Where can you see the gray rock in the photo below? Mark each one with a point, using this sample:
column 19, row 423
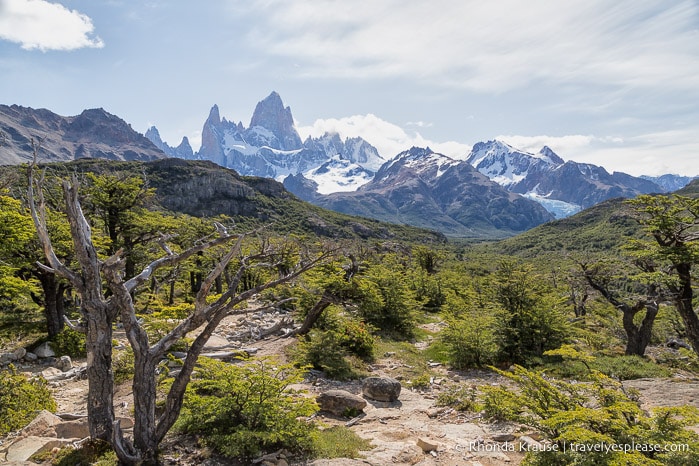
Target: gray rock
column 6, row 358
column 381, row 388
column 64, row 363
column 42, row 425
column 503, row 437
column 19, row 353
column 31, row 357
column 427, row 445
column 24, row 448
column 73, row 429
column 340, row 403
column 44, row 350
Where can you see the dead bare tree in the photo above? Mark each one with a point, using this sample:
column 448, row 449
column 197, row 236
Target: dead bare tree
column 100, row 311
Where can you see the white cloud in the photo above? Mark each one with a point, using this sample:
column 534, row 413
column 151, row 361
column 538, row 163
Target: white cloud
column 490, row 46
column 42, row 25
column 388, row 138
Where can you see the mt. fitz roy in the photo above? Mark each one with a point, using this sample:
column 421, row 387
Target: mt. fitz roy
column 271, row 147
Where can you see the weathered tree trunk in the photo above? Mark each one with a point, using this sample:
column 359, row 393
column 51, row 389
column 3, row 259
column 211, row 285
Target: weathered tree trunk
column 638, row 337
column 100, row 395
column 683, row 297
column 315, row 312
column 54, row 308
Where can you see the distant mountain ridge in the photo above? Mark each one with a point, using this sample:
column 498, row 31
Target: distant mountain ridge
column 562, row 187
column 94, row 133
column 417, row 187
column 422, row 188
column 271, row 147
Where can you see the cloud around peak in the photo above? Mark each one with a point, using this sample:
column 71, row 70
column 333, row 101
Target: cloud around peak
column 43, row 25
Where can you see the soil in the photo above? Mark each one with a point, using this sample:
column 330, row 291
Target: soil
column 394, row 429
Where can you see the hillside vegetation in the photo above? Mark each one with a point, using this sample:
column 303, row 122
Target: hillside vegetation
column 565, row 311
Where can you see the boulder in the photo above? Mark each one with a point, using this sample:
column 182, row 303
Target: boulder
column 427, row 445
column 44, row 350
column 42, row 425
column 6, row 358
column 78, row 428
column 341, row 403
column 25, row 447
column 381, row 388
column 20, row 353
column 64, row 363
column 30, row 357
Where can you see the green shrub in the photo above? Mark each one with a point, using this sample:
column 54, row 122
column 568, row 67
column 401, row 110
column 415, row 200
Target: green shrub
column 244, row 410
column 325, row 351
column 21, row 399
column 69, row 342
column 592, row 415
column 386, row 301
column 470, row 340
column 123, row 365
column 337, row 347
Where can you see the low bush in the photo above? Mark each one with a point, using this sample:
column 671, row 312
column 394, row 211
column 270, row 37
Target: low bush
column 244, row 410
column 577, row 421
column 21, row 399
column 338, row 347
column 69, row 342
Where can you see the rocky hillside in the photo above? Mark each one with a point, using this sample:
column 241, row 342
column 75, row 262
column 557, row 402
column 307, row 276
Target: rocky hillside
column 203, row 189
column 94, row 133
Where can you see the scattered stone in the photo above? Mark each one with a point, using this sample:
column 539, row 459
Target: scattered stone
column 42, row 425
column 505, row 437
column 44, row 350
column 64, row 363
column 24, row 448
column 20, row 353
column 427, row 445
column 529, row 444
column 381, row 388
column 6, row 358
column 341, row 403
column 30, row 357
column 73, row 429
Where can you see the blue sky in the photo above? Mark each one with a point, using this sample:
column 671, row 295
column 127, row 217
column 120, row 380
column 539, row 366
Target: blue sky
column 613, row 82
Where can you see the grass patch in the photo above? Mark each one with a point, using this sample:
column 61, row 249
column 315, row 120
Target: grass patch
column 338, row 442
column 92, row 452
column 617, row 367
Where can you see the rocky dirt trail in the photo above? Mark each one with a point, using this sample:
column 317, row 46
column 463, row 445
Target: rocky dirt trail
column 409, row 431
